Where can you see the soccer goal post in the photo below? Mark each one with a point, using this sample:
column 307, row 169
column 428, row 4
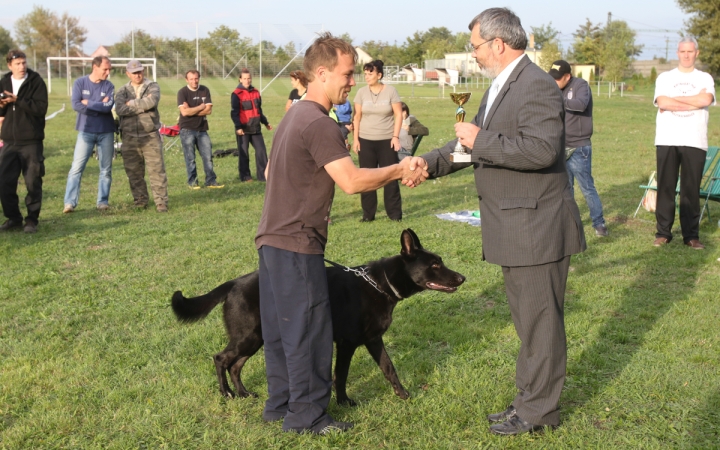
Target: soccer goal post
column 115, row 62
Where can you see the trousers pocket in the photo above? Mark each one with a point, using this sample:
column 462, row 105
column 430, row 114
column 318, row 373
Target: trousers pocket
column 518, row 202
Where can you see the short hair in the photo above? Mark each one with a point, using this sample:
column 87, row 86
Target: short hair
column 98, row 60
column 690, row 39
column 404, row 107
column 14, row 54
column 244, row 70
column 193, row 71
column 300, row 76
column 375, row 66
column 324, row 52
column 501, row 23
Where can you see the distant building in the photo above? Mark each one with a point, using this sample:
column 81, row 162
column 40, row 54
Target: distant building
column 363, row 57
column 100, row 51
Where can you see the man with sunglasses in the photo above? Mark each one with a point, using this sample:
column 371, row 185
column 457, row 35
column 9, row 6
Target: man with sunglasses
column 23, row 104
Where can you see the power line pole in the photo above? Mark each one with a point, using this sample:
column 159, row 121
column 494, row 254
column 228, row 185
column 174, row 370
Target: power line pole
column 667, row 42
column 609, row 18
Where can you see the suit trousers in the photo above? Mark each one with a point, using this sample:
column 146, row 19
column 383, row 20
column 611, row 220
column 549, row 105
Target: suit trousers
column 690, row 161
column 297, row 330
column 261, row 158
column 28, row 160
column 141, row 152
column 536, row 296
column 374, row 154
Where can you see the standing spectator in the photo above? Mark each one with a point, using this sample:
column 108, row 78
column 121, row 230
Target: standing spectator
column 299, row 82
column 411, row 128
column 682, row 96
column 93, row 97
column 136, row 104
column 195, row 105
column 530, row 221
column 308, row 158
column 246, row 113
column 578, row 102
column 24, row 104
column 344, row 119
column 378, row 118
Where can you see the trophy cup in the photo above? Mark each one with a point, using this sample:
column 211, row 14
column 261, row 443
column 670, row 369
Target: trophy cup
column 461, row 153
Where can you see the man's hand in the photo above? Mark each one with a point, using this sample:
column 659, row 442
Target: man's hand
column 414, row 171
column 9, row 98
column 84, row 102
column 268, row 126
column 349, row 127
column 466, row 133
column 106, row 99
column 239, row 132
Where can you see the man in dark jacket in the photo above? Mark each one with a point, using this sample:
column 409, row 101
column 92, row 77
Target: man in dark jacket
column 577, row 98
column 246, row 113
column 23, row 104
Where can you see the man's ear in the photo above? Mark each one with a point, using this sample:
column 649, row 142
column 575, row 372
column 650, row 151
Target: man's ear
column 321, row 73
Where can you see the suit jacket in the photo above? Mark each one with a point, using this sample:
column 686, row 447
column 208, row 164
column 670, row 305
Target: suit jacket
column 529, row 215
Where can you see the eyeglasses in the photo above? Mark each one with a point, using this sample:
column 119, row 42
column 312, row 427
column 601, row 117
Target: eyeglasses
column 473, row 48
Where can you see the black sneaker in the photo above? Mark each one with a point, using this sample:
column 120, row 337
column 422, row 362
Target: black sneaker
column 601, row 231
column 30, row 227
column 9, row 225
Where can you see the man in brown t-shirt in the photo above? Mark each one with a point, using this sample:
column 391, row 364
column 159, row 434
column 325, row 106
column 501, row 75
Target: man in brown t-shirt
column 308, row 157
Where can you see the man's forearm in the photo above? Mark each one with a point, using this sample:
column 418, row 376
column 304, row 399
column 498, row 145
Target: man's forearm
column 698, row 100
column 673, row 104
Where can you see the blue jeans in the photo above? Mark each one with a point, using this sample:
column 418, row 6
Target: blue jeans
column 580, row 166
column 83, row 150
column 200, row 139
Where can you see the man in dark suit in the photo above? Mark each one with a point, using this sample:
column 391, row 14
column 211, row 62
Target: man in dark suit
column 530, row 221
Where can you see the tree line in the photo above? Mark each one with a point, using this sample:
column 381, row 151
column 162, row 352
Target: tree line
column 611, row 47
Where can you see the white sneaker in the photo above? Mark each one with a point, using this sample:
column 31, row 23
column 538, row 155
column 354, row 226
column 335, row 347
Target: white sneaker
column 68, row 208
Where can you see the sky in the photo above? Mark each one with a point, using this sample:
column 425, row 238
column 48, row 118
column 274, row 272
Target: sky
column 281, row 21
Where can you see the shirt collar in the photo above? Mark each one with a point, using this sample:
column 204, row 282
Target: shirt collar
column 505, row 74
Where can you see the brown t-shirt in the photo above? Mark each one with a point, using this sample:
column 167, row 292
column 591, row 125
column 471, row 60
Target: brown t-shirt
column 299, row 192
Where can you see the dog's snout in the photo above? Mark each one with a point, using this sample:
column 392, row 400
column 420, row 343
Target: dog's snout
column 460, row 278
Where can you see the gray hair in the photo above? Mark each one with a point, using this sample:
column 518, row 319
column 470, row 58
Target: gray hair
column 501, row 23
column 690, row 39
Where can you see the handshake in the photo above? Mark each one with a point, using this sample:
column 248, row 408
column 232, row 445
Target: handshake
column 414, row 171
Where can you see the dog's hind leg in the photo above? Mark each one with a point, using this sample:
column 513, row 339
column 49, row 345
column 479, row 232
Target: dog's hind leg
column 377, row 351
column 235, row 377
column 223, row 360
column 345, row 352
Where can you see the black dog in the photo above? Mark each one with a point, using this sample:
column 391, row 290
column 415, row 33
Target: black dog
column 361, row 300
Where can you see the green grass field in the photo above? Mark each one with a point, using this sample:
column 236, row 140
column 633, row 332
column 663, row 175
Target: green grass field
column 91, row 355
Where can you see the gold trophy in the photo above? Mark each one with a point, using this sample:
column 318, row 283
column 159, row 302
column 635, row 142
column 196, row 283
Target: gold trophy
column 461, row 153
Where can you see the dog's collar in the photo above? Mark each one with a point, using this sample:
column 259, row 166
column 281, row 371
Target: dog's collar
column 363, row 272
column 397, row 294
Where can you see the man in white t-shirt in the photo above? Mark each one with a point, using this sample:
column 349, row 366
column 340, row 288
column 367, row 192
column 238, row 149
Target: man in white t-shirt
column 682, row 96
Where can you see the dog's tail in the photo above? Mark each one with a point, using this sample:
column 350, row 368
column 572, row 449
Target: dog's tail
column 196, row 308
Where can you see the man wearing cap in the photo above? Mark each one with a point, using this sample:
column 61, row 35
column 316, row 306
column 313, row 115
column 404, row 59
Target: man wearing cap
column 578, row 102
column 136, row 103
column 682, row 96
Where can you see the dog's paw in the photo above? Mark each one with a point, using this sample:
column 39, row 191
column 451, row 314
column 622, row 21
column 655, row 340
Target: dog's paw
column 402, row 393
column 347, row 401
column 228, row 394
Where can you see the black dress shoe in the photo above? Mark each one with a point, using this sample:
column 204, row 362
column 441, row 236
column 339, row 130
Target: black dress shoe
column 514, row 425
column 502, row 416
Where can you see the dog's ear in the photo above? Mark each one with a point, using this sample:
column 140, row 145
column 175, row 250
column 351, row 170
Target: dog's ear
column 409, row 242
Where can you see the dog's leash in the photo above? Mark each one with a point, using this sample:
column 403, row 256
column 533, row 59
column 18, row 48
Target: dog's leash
column 363, row 272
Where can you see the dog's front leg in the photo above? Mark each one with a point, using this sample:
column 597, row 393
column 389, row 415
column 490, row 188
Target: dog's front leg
column 345, row 352
column 377, row 351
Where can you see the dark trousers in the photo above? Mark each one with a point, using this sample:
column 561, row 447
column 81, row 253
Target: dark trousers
column 690, row 161
column 261, row 158
column 27, row 159
column 297, row 330
column 536, row 296
column 375, row 154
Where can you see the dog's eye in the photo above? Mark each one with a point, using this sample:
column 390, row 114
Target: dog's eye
column 435, row 266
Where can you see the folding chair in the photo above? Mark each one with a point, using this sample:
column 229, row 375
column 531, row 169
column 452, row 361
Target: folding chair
column 710, row 183
column 650, row 186
column 416, row 144
column 170, row 136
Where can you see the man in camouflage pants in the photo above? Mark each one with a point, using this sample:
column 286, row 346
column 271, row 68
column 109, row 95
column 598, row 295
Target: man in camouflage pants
column 136, row 104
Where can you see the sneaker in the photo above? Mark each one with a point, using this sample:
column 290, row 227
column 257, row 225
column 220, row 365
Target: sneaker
column 10, row 225
column 103, row 207
column 335, row 427
column 215, row 186
column 30, row 227
column 161, row 208
column 194, row 187
column 601, row 231
column 68, row 208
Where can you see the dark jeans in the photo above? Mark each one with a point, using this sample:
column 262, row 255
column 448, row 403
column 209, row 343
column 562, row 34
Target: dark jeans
column 297, row 330
column 261, row 159
column 375, row 154
column 690, row 161
column 27, row 159
column 200, row 139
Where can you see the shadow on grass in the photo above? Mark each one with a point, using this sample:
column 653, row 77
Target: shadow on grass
column 706, row 433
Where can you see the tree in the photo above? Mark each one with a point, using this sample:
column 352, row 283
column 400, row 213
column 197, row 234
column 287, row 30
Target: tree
column 551, row 52
column 6, row 41
column 544, row 34
column 704, row 24
column 43, row 31
column 587, row 44
column 346, row 37
column 618, row 50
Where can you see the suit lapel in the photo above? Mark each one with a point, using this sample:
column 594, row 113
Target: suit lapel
column 506, row 87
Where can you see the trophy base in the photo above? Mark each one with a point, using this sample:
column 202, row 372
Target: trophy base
column 457, row 157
